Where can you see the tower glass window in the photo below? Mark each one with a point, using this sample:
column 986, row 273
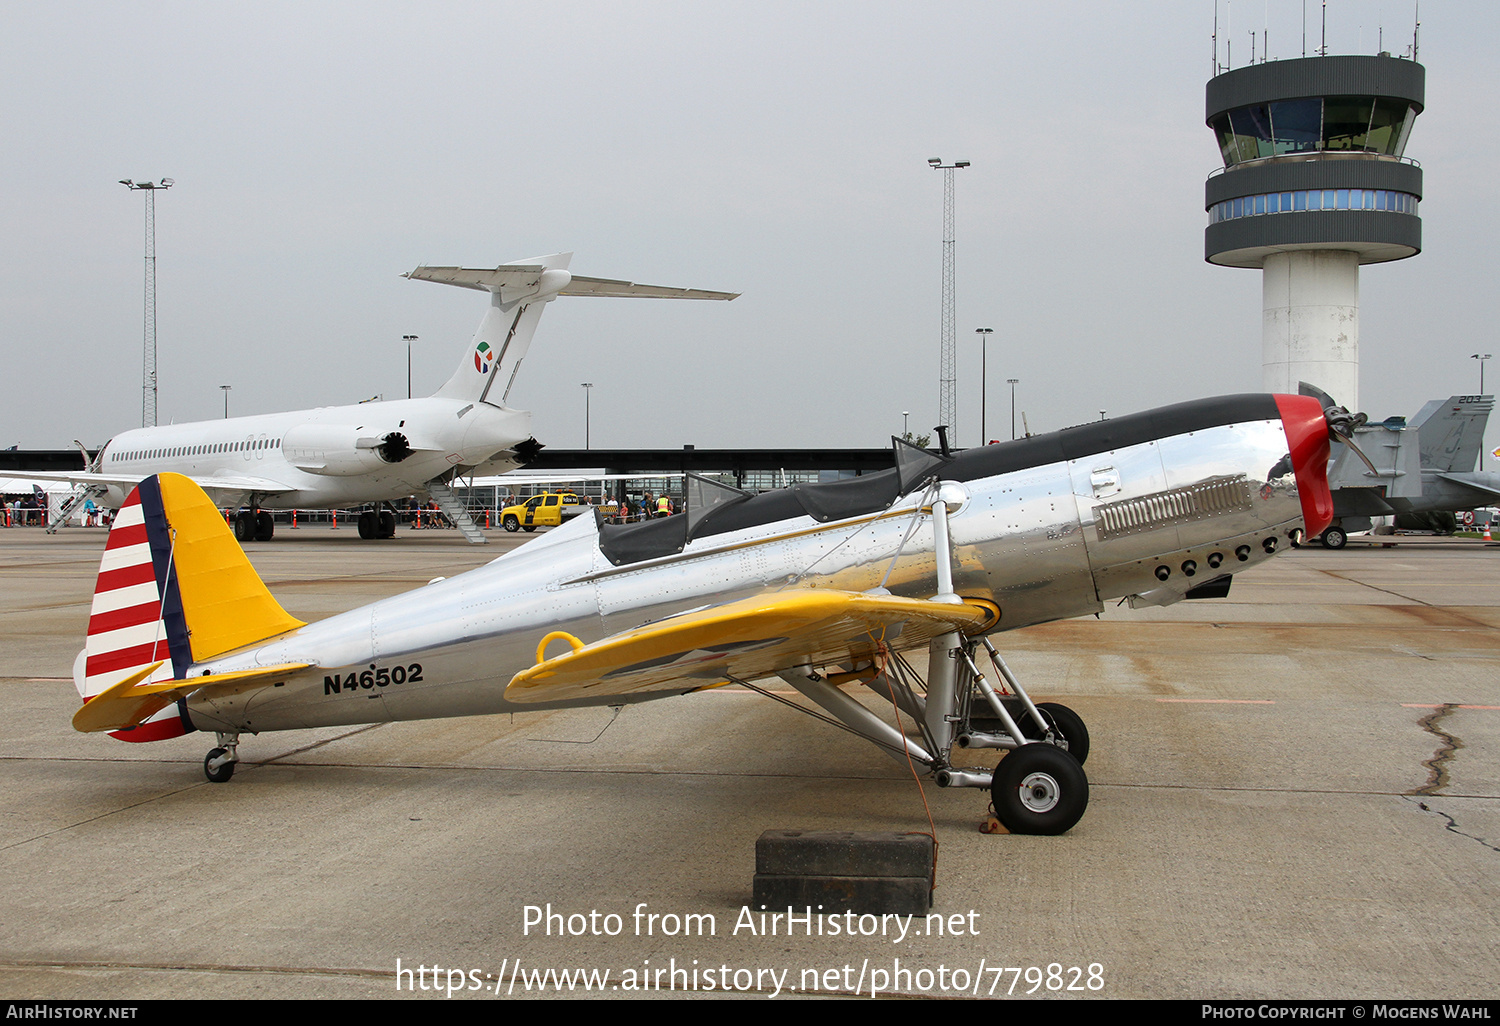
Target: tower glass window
column 1346, row 122
column 1363, row 124
column 1298, row 125
column 1388, row 126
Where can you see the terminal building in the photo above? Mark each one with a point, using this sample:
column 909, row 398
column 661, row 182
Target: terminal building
column 1315, row 182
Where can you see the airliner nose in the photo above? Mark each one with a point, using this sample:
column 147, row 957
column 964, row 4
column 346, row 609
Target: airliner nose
column 1306, row 430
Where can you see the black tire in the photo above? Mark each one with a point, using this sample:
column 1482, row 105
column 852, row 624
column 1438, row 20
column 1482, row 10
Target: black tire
column 367, row 525
column 1039, row 789
column 529, row 528
column 1064, row 721
column 223, row 773
column 265, row 526
column 244, row 527
column 387, row 524
column 511, row 524
column 1334, row 538
column 1067, row 723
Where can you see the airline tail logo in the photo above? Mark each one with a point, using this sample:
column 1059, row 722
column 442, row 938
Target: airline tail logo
column 484, row 357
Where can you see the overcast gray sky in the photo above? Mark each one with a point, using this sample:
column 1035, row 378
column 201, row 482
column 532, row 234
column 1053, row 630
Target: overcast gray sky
column 774, row 149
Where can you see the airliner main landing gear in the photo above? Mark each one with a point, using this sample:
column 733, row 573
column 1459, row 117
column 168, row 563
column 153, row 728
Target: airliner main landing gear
column 254, row 525
column 377, row 523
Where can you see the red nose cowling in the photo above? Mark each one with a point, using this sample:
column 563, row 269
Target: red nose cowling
column 1307, row 440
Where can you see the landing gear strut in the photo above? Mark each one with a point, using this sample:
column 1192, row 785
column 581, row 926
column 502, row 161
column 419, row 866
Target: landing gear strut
column 1039, row 786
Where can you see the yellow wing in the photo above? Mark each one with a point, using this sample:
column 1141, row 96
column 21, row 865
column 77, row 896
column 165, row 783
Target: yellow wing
column 748, row 639
column 131, row 703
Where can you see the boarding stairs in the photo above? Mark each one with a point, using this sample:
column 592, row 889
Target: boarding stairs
column 72, row 503
column 449, row 504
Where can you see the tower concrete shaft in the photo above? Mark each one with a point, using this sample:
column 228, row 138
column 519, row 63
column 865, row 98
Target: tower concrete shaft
column 1310, row 322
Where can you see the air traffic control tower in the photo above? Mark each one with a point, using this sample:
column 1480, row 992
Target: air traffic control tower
column 1315, row 182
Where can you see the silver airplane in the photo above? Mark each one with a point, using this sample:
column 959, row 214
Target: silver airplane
column 821, row 585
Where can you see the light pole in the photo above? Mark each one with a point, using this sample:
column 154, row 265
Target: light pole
column 1481, row 360
column 226, row 389
column 948, row 369
column 408, row 339
column 1013, row 382
column 148, row 374
column 588, row 390
column 984, row 382
column 905, row 431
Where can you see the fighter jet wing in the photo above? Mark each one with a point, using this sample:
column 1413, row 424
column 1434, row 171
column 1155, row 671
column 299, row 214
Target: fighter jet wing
column 1487, row 483
column 745, row 640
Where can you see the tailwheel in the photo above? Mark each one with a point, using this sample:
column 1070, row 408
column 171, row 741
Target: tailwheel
column 1039, row 789
column 218, row 765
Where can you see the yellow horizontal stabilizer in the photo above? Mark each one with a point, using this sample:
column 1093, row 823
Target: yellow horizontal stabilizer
column 130, row 703
column 747, row 639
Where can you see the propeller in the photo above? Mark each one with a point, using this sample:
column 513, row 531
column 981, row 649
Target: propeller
column 1341, row 423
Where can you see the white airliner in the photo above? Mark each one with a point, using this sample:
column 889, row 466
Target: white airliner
column 372, row 452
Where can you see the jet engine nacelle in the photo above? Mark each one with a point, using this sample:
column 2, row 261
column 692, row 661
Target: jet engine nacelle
column 339, row 450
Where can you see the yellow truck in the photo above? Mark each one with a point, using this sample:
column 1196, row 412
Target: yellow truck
column 547, row 510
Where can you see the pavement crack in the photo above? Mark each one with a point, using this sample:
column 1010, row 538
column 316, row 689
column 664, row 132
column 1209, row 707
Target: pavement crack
column 1437, row 766
column 1437, row 771
column 1450, row 824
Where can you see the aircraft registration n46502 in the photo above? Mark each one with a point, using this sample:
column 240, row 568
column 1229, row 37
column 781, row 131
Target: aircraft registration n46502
column 827, row 587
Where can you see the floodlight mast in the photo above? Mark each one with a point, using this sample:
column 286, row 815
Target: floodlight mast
column 148, row 372
column 948, row 345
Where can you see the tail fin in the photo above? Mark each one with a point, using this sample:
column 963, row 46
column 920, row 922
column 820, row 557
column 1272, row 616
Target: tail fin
column 518, row 293
column 174, row 589
column 1451, row 431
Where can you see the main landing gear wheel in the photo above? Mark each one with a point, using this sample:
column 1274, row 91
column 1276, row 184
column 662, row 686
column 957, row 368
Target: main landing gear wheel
column 512, row 524
column 369, row 524
column 244, row 526
column 265, row 526
column 1334, row 538
column 387, row 524
column 217, row 774
column 1039, row 789
column 1065, row 722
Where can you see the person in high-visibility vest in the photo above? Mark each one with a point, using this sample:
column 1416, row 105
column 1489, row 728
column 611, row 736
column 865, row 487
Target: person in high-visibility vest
column 663, row 506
